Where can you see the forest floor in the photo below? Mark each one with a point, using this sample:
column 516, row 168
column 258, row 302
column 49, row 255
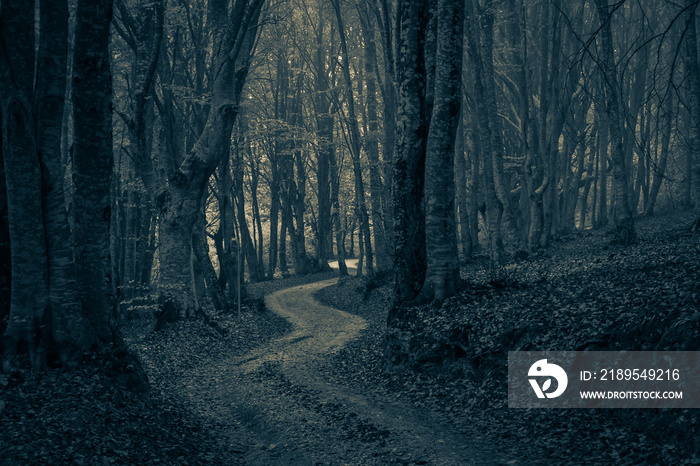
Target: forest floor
column 302, row 380
column 294, row 412
column 582, row 293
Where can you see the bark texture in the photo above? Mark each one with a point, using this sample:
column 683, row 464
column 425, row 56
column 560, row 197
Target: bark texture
column 372, row 144
column 28, row 258
column 92, row 161
column 68, row 324
column 624, row 219
column 412, row 123
column 442, row 274
column 45, row 312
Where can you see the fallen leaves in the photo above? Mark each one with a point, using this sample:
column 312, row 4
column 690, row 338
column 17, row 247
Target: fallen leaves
column 580, row 294
column 85, row 417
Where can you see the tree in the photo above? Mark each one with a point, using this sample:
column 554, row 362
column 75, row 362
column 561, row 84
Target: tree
column 354, row 137
column 242, row 150
column 412, row 124
column 492, row 206
column 442, row 274
column 385, row 19
column 179, row 201
column 466, row 184
column 429, row 79
column 624, row 219
column 5, row 267
column 141, row 27
column 659, row 170
column 56, row 301
column 92, row 161
column 689, row 53
column 29, row 267
column 143, row 32
column 67, row 324
column 323, row 108
column 372, row 140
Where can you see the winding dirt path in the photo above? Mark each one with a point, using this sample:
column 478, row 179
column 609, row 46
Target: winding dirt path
column 290, row 413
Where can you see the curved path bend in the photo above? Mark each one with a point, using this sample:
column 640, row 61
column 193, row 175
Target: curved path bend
column 290, row 413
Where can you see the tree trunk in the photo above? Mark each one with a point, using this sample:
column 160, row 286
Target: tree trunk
column 689, row 53
column 203, row 263
column 274, row 218
column 490, row 108
column 372, row 143
column 296, row 182
column 335, row 214
column 625, row 221
column 473, row 191
column 594, row 204
column 67, row 326
column 92, row 162
column 384, row 19
column 442, row 274
column 587, row 182
column 551, row 122
column 460, row 170
column 131, row 239
column 257, row 221
column 176, row 223
column 29, row 278
column 659, row 168
column 602, row 147
column 28, row 261
column 324, row 124
column 493, row 207
column 225, row 239
column 148, row 250
column 640, row 182
column 572, row 182
column 246, row 241
column 413, row 120
column 277, row 168
column 360, row 254
column 686, row 201
column 35, row 240
column 226, row 234
column 350, row 227
column 5, row 266
column 301, row 262
column 147, row 30
column 354, row 131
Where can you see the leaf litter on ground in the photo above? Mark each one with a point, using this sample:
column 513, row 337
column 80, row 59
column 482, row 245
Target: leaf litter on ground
column 580, row 294
column 87, row 415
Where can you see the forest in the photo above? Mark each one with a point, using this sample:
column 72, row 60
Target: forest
column 226, row 221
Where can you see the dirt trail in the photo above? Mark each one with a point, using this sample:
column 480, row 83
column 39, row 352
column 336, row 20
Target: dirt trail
column 291, row 414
